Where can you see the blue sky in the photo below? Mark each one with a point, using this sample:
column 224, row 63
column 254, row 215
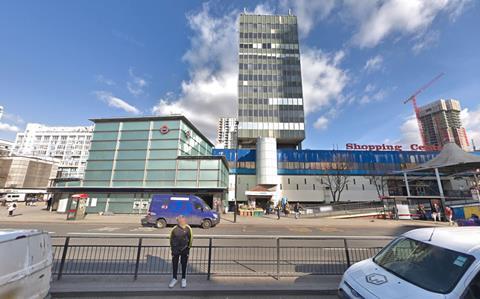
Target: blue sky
column 63, row 62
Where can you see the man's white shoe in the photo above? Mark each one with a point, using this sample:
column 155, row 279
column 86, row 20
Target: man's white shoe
column 184, row 283
column 172, row 283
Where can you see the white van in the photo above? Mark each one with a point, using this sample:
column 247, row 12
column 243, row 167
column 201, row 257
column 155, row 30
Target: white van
column 13, row 197
column 424, row 263
column 26, row 264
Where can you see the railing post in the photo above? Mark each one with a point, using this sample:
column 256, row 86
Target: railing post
column 209, row 266
column 347, row 253
column 278, row 258
column 64, row 256
column 137, row 263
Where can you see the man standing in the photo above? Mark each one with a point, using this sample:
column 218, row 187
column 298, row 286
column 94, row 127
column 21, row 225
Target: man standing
column 11, row 208
column 181, row 238
column 296, row 210
column 449, row 215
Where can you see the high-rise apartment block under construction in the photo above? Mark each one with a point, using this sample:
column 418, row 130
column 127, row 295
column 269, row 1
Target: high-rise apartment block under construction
column 441, row 123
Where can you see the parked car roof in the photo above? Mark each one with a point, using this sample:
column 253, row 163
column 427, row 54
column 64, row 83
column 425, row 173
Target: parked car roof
column 461, row 239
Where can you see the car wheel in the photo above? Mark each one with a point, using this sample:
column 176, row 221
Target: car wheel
column 161, row 223
column 206, row 224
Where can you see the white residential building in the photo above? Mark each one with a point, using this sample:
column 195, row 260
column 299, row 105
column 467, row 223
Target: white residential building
column 5, row 147
column 69, row 146
column 226, row 132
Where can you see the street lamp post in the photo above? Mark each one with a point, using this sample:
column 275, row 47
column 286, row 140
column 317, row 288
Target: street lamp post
column 235, row 209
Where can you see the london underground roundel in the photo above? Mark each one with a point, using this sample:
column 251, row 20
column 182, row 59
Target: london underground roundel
column 164, row 129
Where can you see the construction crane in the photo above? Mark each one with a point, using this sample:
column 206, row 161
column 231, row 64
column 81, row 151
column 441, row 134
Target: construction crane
column 413, row 99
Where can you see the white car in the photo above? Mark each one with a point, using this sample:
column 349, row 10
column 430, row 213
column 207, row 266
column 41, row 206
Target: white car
column 423, row 263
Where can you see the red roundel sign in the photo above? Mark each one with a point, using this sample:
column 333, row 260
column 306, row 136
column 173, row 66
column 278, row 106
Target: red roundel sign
column 164, row 129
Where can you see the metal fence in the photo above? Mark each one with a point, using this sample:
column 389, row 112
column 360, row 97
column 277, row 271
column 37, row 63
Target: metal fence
column 222, row 256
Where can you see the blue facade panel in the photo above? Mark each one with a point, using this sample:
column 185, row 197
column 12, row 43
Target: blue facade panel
column 318, row 162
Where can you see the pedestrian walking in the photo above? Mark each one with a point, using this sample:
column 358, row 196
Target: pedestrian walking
column 449, row 215
column 181, row 238
column 11, row 208
column 49, row 203
column 435, row 212
column 279, row 208
column 296, row 210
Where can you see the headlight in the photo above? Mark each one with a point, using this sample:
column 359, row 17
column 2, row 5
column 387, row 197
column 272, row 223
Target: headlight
column 352, row 290
column 215, row 216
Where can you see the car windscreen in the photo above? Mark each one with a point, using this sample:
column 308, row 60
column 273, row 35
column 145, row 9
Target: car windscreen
column 430, row 267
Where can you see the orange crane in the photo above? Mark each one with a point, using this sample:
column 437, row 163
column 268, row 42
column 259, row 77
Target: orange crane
column 413, row 99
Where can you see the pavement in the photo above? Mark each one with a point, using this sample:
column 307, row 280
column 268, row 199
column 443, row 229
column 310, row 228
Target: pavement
column 129, row 225
column 308, row 286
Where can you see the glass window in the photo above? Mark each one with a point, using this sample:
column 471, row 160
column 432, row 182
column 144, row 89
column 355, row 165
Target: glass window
column 161, row 164
column 163, row 154
column 130, row 165
column 97, row 175
column 209, row 164
column 473, row 289
column 209, row 175
column 105, row 136
column 100, row 165
column 187, row 175
column 136, row 125
column 106, row 126
column 101, row 155
column 187, row 164
column 164, row 144
column 153, row 175
column 128, row 175
column 103, row 145
column 430, row 267
column 133, row 144
column 134, row 135
column 131, row 155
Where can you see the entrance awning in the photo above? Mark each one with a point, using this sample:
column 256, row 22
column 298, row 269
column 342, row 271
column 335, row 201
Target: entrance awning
column 260, row 190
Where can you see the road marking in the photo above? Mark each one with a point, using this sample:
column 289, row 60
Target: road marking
column 105, row 229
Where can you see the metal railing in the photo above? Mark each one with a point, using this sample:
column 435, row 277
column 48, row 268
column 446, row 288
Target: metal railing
column 221, row 256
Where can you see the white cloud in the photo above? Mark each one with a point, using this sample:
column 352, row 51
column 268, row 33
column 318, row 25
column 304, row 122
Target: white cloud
column 471, row 122
column 321, row 123
column 373, row 64
column 137, row 84
column 103, row 80
column 211, row 90
column 323, row 79
column 372, row 94
column 116, row 102
column 410, row 134
column 379, row 19
column 425, row 41
column 309, row 12
column 4, row 127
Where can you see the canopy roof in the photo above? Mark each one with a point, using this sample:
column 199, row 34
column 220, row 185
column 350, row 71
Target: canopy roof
column 452, row 159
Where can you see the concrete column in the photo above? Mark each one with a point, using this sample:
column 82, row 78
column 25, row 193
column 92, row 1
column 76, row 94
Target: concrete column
column 266, row 161
column 440, row 188
column 405, row 178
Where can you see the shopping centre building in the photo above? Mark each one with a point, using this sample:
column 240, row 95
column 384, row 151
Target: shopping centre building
column 132, row 158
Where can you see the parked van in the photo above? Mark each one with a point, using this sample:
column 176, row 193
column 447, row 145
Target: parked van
column 26, row 264
column 13, row 197
column 424, row 263
column 164, row 208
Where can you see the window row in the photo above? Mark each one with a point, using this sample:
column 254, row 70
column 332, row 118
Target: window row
column 293, row 92
column 293, row 47
column 286, row 80
column 257, row 26
column 271, row 101
column 286, row 36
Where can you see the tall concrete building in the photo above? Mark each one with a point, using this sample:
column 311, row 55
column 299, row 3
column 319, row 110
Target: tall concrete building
column 270, row 98
column 441, row 123
column 68, row 146
column 1, row 112
column 226, row 132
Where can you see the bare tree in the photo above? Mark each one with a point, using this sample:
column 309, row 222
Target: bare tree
column 380, row 183
column 336, row 180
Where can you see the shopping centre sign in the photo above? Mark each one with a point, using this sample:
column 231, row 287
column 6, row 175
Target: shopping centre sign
column 391, row 147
